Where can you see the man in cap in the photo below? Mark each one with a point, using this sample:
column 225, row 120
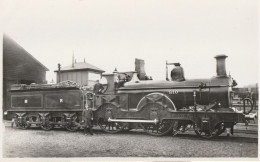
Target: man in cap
column 98, row 88
column 87, row 117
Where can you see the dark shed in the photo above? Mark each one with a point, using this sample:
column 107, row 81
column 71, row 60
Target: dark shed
column 19, row 67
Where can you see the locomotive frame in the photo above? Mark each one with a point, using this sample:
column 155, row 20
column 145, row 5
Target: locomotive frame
column 158, row 107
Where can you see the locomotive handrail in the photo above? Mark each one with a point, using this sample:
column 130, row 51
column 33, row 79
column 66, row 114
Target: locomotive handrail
column 176, row 87
column 244, row 105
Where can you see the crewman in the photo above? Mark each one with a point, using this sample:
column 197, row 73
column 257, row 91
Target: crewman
column 254, row 99
column 98, row 88
column 87, row 118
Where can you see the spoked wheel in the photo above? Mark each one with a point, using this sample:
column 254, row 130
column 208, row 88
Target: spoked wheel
column 74, row 126
column 215, row 132
column 110, row 127
column 157, row 106
column 24, row 123
column 159, row 129
column 47, row 126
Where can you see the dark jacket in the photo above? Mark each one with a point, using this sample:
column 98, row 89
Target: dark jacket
column 98, row 88
column 87, row 116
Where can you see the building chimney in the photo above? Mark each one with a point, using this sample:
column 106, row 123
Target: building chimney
column 221, row 65
column 58, row 78
column 73, row 60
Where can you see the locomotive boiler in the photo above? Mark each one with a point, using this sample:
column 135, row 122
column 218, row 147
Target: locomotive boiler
column 158, row 107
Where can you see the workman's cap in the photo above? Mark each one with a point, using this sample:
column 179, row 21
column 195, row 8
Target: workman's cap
column 177, row 64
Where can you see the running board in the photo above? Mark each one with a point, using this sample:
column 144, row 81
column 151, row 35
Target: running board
column 155, row 121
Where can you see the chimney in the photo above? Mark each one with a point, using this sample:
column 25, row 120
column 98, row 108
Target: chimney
column 221, row 65
column 139, row 68
column 73, row 60
column 58, row 78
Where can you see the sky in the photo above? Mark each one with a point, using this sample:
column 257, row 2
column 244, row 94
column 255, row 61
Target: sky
column 113, row 33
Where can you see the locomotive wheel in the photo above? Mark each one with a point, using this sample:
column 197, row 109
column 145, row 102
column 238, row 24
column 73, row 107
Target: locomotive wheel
column 212, row 133
column 47, row 127
column 110, row 127
column 74, row 125
column 127, row 127
column 105, row 112
column 159, row 129
column 23, row 124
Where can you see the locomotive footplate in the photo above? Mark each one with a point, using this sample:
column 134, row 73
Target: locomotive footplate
column 206, row 120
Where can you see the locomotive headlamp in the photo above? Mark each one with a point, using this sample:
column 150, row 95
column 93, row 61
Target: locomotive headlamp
column 5, row 113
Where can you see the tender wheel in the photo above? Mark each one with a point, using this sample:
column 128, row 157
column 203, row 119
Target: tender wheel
column 47, row 126
column 159, row 129
column 215, row 132
column 24, row 123
column 74, row 125
column 110, row 127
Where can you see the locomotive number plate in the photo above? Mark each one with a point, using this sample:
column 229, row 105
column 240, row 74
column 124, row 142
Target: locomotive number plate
column 173, row 92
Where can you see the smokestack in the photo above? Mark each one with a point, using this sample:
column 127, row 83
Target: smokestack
column 139, row 68
column 221, row 65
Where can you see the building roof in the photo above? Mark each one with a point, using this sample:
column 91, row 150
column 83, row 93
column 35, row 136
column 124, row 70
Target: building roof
column 80, row 66
column 11, row 44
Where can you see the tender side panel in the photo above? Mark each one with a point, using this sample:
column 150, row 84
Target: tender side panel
column 27, row 101
column 46, row 100
column 68, row 100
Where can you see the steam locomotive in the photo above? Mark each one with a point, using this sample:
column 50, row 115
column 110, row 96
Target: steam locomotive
column 158, row 107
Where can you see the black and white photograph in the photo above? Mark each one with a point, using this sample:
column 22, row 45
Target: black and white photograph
column 136, row 80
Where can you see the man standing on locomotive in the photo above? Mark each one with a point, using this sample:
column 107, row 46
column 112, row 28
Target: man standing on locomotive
column 87, row 118
column 98, row 88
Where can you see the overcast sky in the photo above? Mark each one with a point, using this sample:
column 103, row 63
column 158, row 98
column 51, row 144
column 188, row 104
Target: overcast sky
column 112, row 33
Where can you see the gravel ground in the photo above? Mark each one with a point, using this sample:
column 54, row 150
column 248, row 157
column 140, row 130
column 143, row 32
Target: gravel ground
column 35, row 142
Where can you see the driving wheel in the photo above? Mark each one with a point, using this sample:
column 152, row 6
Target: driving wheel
column 158, row 129
column 110, row 127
